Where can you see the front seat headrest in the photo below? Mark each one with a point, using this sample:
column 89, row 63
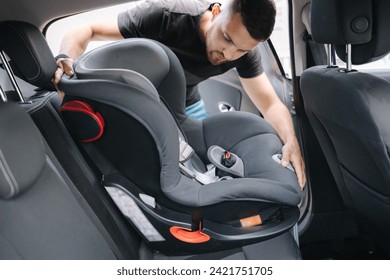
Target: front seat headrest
column 27, row 48
column 341, row 22
column 379, row 45
column 361, row 23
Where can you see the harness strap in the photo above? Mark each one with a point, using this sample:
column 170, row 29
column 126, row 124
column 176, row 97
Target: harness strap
column 188, row 169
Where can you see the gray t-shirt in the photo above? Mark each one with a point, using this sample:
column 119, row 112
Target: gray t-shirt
column 175, row 23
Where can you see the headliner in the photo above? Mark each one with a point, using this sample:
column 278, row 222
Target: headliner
column 41, row 12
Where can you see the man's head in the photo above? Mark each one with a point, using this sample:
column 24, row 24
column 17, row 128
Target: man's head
column 238, row 27
column 258, row 17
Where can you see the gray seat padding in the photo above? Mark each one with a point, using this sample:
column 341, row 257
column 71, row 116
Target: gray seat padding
column 349, row 110
column 248, row 134
column 42, row 216
column 150, row 119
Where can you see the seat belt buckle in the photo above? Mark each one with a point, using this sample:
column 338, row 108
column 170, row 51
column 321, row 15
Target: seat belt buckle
column 226, row 161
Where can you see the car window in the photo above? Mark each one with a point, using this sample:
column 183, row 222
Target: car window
column 58, row 28
column 280, row 36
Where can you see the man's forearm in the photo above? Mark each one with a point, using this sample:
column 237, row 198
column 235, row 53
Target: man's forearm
column 280, row 119
column 75, row 42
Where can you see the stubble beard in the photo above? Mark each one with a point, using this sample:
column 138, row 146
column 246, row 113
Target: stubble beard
column 214, row 57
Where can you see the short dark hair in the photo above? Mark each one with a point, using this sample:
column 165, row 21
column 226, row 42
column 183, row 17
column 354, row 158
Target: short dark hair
column 258, row 17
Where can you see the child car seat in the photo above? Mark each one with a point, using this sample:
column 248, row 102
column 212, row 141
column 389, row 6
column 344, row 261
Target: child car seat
column 160, row 167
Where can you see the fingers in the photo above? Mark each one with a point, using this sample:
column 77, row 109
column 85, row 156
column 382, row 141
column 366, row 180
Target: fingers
column 299, row 167
column 286, row 156
column 64, row 66
column 57, row 75
column 61, row 94
column 292, row 153
column 68, row 66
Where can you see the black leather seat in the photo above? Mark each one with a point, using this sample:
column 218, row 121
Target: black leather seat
column 349, row 109
column 42, row 215
column 134, row 141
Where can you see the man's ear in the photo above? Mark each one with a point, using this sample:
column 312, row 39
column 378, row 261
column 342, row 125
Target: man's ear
column 216, row 9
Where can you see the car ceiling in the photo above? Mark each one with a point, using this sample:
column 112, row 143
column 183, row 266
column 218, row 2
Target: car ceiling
column 41, row 12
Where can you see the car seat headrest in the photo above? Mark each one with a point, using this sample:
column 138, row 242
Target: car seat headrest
column 129, row 56
column 379, row 45
column 28, row 50
column 22, row 154
column 361, row 23
column 341, row 22
column 143, row 63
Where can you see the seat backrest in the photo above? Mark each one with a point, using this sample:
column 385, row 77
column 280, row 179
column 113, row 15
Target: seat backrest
column 132, row 59
column 129, row 61
column 42, row 215
column 349, row 110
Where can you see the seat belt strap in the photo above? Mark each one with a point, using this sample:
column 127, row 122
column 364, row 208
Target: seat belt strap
column 204, row 178
column 186, row 150
column 188, row 169
column 317, row 50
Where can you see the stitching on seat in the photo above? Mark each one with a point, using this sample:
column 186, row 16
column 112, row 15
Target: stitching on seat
column 25, row 40
column 13, row 185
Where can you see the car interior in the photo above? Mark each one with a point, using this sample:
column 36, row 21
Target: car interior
column 111, row 171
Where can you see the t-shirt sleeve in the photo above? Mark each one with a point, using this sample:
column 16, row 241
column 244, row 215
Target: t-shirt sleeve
column 144, row 20
column 250, row 65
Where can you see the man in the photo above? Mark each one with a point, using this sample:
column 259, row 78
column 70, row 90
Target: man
column 208, row 39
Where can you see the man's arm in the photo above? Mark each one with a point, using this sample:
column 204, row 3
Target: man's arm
column 75, row 42
column 263, row 95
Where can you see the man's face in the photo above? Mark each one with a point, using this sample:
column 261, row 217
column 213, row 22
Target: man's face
column 227, row 38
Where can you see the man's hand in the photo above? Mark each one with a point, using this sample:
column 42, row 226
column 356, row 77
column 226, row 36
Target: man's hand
column 76, row 40
column 292, row 153
column 263, row 95
column 64, row 66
